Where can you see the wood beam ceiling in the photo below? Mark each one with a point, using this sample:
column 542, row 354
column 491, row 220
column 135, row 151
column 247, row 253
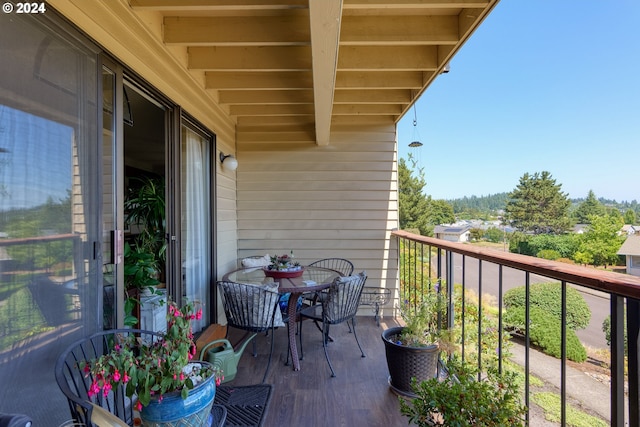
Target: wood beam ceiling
column 315, row 64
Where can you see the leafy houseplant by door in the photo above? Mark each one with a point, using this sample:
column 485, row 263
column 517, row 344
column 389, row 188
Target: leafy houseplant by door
column 154, row 373
column 413, row 350
column 145, row 257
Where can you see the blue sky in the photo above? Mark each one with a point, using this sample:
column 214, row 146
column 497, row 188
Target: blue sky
column 542, row 85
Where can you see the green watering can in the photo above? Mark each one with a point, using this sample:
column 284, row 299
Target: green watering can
column 223, row 356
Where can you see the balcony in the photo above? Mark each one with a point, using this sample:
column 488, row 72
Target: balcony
column 360, row 395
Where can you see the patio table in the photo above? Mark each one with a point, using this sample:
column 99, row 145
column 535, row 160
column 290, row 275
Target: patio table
column 312, row 279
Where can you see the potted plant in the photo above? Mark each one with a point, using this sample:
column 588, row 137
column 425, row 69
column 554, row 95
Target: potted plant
column 145, row 209
column 460, row 398
column 413, row 350
column 140, row 274
column 160, row 375
column 283, row 266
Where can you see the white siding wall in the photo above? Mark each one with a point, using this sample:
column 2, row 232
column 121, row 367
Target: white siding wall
column 338, row 200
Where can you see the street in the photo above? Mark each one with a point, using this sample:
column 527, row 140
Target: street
column 592, row 336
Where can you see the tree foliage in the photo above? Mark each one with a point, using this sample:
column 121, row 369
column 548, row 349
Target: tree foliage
column 591, row 206
column 537, row 205
column 600, row 243
column 630, row 217
column 417, row 210
column 413, row 203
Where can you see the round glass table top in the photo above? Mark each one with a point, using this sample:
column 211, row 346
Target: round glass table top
column 313, row 278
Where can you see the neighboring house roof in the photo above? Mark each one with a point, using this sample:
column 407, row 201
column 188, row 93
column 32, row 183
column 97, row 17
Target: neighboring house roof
column 445, row 229
column 631, row 246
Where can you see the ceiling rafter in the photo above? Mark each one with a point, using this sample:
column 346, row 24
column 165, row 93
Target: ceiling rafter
column 308, row 66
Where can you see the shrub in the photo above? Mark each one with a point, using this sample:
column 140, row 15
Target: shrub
column 549, row 254
column 461, row 399
column 548, row 296
column 545, row 332
column 606, row 328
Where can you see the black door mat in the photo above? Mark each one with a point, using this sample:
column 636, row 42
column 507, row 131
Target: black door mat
column 246, row 405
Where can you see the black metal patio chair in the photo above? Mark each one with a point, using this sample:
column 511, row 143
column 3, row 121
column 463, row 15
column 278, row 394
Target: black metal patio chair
column 74, row 383
column 340, row 305
column 252, row 308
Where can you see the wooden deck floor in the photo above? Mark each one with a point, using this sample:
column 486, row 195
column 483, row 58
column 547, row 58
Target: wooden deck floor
column 359, row 395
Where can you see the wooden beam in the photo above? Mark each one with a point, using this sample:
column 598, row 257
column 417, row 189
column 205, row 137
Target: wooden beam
column 412, row 4
column 396, row 58
column 271, row 110
column 324, row 17
column 355, row 110
column 217, row 5
column 399, row 30
column 249, row 58
column 384, row 96
column 271, row 97
column 281, row 30
column 382, row 79
column 258, row 80
column 263, row 121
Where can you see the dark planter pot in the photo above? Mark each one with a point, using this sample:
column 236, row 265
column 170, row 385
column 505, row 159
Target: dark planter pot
column 405, row 363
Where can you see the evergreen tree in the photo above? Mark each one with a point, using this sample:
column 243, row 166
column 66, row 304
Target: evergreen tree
column 591, row 206
column 537, row 205
column 413, row 203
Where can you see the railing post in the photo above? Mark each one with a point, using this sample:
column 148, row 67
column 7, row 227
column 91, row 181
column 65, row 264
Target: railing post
column 449, row 278
column 617, row 361
column 633, row 328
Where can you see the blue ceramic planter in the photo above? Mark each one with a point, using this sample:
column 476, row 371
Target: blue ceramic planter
column 173, row 411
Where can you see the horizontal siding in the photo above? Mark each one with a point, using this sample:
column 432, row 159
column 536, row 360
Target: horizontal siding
column 338, row 200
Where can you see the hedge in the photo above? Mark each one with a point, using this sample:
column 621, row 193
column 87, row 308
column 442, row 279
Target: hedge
column 548, row 297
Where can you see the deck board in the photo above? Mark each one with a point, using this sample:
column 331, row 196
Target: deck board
column 358, row 395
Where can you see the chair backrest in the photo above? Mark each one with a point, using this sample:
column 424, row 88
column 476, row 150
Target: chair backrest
column 250, row 307
column 343, row 298
column 341, row 265
column 75, row 386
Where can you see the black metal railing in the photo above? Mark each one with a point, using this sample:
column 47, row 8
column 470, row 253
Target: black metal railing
column 424, row 260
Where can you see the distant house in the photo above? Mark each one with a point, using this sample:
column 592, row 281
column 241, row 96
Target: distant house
column 630, row 230
column 580, row 228
column 452, row 233
column 631, row 250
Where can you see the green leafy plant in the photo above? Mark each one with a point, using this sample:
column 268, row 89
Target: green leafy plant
column 145, row 208
column 425, row 321
column 284, row 263
column 149, row 369
column 463, row 399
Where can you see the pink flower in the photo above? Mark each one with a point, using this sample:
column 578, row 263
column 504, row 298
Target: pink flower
column 106, row 388
column 116, row 376
column 181, row 376
column 199, row 314
column 138, row 406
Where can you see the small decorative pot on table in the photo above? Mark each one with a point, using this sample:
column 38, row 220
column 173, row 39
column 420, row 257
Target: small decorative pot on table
column 283, row 274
